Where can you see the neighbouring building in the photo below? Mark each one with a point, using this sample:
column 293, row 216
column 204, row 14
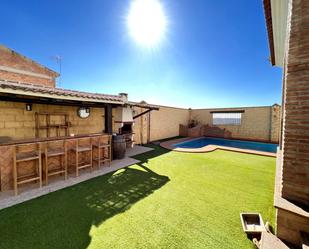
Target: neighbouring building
column 288, row 34
column 18, row 68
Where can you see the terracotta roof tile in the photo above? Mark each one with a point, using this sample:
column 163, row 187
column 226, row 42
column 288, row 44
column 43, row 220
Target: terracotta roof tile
column 58, row 91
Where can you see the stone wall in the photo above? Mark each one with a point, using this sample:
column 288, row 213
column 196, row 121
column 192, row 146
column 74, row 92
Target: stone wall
column 257, row 123
column 296, row 107
column 140, row 127
column 17, row 123
column 275, row 122
column 163, row 123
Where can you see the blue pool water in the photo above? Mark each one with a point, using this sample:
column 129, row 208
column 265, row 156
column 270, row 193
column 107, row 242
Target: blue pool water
column 201, row 142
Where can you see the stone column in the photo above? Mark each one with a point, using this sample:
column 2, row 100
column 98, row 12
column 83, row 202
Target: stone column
column 275, row 123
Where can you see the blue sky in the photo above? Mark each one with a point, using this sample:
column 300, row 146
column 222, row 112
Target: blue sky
column 215, row 53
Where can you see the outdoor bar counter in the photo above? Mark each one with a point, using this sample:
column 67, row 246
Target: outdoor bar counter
column 7, row 154
column 47, row 139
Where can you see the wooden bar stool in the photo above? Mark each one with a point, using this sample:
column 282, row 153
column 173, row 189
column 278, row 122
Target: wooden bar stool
column 103, row 149
column 83, row 154
column 26, row 153
column 56, row 150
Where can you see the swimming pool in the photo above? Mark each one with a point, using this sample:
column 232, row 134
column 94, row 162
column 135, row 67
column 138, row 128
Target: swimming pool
column 241, row 144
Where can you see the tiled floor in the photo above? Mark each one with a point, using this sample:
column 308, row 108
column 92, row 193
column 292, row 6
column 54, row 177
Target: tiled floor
column 8, row 199
column 136, row 150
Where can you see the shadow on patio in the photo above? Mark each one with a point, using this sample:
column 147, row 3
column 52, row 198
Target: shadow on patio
column 64, row 218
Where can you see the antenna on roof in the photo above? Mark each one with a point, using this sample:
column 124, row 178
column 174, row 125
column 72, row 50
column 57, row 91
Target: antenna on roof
column 58, row 60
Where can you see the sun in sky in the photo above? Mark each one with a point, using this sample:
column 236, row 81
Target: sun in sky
column 147, row 22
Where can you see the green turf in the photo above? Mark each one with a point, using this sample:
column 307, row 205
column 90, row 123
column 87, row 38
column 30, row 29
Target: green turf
column 170, row 200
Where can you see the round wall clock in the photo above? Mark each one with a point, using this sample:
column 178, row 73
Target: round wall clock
column 83, row 112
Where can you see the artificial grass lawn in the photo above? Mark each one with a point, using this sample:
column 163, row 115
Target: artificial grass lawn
column 170, row 200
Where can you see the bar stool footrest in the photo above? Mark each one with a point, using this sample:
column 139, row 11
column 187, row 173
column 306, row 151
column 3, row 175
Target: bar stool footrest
column 26, row 179
column 56, row 172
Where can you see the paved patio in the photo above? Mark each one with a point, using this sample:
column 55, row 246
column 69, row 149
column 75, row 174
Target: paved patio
column 8, row 199
column 136, row 150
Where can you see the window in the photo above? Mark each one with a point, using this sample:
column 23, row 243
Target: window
column 226, row 118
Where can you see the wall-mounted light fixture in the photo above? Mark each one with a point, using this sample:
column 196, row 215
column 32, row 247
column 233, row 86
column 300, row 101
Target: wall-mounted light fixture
column 83, row 112
column 29, row 107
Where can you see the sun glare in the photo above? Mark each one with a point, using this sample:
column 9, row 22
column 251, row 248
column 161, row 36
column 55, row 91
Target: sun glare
column 146, row 22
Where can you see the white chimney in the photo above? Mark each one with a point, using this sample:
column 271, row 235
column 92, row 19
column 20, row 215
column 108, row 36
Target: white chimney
column 124, row 97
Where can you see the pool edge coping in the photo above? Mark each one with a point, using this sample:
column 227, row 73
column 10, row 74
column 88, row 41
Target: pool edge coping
column 209, row 148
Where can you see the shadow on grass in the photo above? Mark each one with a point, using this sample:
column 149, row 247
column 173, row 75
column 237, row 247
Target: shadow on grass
column 64, row 218
column 145, row 157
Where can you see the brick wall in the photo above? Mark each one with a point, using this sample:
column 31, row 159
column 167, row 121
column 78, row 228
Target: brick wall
column 296, row 107
column 4, row 75
column 215, row 131
column 196, row 131
column 11, row 59
column 289, row 225
column 18, row 123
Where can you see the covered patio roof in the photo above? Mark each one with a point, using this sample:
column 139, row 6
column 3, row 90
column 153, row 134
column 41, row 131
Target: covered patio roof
column 144, row 105
column 17, row 91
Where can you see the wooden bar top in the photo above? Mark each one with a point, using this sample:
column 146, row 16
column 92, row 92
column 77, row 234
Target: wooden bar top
column 47, row 139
